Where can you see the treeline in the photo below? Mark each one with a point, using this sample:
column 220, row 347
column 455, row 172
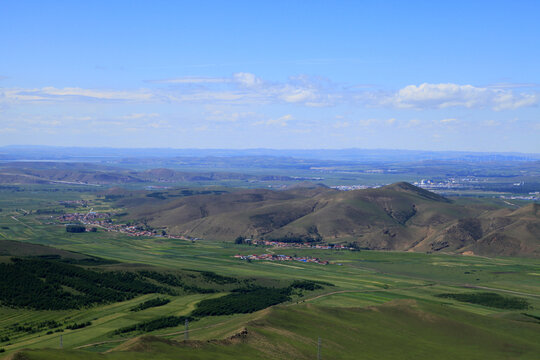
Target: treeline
column 490, row 299
column 156, row 324
column 76, row 326
column 49, row 211
column 215, row 278
column 37, row 284
column 32, row 328
column 151, row 303
column 241, row 302
column 305, row 285
column 177, row 280
column 75, row 228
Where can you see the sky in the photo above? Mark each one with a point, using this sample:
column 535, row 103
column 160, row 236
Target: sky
column 419, row 75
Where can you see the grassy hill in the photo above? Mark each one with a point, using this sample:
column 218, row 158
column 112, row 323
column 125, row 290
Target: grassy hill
column 395, row 217
column 84, row 173
column 402, row 329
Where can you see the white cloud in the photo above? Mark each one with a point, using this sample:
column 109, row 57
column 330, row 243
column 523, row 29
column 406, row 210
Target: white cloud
column 159, row 124
column 246, row 88
column 201, row 128
column 137, row 116
column 74, row 93
column 294, row 95
column 191, row 80
column 491, row 123
column 341, row 124
column 449, row 121
column 247, row 79
column 413, row 123
column 367, row 122
column 440, row 96
column 281, row 121
column 225, row 116
column 512, row 85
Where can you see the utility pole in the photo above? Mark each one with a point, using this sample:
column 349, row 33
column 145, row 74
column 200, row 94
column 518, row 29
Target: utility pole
column 186, row 332
column 319, row 349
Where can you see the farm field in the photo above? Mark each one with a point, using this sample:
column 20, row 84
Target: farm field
column 381, row 304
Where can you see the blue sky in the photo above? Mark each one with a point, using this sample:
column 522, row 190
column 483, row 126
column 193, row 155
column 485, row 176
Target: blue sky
column 460, row 75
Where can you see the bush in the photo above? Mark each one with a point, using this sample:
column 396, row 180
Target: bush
column 151, row 303
column 490, row 299
column 305, row 285
column 75, row 228
column 75, row 326
column 156, row 324
column 239, row 240
column 38, row 284
column 242, row 301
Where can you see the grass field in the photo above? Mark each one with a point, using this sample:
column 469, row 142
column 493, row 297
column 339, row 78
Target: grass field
column 383, row 304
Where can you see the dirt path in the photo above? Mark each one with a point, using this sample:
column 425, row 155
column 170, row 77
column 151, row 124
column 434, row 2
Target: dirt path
column 28, row 226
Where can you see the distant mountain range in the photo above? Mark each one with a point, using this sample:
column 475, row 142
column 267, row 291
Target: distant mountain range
column 395, row 217
column 364, row 155
column 92, row 174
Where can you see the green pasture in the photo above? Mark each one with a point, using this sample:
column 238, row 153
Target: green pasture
column 353, row 317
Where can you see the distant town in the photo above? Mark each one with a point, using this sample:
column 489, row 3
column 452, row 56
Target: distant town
column 104, row 221
column 274, row 257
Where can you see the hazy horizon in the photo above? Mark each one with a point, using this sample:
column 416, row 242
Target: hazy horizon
column 240, row 149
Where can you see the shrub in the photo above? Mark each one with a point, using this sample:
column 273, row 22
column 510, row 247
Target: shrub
column 489, row 299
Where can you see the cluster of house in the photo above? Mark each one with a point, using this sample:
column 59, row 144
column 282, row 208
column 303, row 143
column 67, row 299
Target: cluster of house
column 280, row 244
column 72, row 203
column 533, row 196
column 103, row 220
column 274, row 257
column 89, row 217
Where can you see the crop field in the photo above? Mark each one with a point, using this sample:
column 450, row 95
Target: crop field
column 381, row 304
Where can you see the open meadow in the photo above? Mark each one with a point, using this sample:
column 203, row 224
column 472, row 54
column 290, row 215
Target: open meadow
column 373, row 303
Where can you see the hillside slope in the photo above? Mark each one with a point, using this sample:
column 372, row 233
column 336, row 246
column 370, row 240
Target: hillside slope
column 397, row 330
column 395, row 217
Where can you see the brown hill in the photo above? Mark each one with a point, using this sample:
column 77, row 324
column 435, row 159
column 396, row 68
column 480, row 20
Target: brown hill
column 395, row 217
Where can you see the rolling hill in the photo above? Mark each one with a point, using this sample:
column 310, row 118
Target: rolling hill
column 92, row 174
column 395, row 330
column 395, row 217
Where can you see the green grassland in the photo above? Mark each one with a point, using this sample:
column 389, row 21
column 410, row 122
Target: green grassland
column 384, row 305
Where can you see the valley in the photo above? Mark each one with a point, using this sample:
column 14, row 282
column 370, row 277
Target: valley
column 379, row 296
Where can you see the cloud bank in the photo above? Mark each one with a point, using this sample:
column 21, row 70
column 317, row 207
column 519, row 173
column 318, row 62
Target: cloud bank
column 247, row 88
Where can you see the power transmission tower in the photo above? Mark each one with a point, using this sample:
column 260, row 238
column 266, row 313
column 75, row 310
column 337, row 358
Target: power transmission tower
column 319, row 349
column 186, row 332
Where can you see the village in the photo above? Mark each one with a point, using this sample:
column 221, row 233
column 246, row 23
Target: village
column 274, row 257
column 104, row 221
column 300, row 245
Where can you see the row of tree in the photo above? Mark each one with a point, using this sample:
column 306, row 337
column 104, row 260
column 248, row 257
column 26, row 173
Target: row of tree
column 39, row 284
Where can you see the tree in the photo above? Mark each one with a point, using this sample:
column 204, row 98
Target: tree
column 75, row 228
column 239, row 240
